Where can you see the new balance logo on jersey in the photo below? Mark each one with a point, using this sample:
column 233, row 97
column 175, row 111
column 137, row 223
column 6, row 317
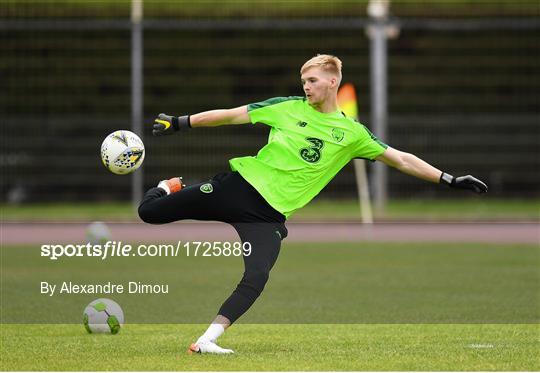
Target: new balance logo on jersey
column 301, row 124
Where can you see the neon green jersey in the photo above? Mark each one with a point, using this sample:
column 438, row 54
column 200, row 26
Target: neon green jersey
column 305, row 150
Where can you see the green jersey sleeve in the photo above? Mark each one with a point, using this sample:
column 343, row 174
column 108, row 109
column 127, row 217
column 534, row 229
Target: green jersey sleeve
column 368, row 145
column 271, row 111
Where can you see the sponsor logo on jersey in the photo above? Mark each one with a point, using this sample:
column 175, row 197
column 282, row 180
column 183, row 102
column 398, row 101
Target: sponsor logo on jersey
column 312, row 154
column 301, row 124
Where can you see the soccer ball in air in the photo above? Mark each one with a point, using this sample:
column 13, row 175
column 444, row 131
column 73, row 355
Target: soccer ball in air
column 103, row 316
column 122, row 152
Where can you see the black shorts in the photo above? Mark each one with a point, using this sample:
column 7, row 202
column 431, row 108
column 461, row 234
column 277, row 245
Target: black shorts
column 226, row 197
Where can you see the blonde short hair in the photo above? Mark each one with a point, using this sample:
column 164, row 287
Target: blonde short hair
column 326, row 62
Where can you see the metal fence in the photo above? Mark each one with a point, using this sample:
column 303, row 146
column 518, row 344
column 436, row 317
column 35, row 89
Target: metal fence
column 463, row 95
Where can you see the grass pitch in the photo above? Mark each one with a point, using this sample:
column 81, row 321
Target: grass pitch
column 275, row 347
column 339, row 283
column 420, row 307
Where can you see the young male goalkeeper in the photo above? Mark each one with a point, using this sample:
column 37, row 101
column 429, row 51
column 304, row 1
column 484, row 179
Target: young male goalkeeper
column 310, row 141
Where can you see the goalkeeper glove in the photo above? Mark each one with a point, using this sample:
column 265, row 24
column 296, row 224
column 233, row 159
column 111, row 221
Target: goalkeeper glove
column 167, row 125
column 464, row 182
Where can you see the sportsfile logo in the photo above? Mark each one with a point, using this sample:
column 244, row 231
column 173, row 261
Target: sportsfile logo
column 109, row 249
column 119, row 249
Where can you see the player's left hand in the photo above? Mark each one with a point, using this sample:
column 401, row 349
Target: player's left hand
column 464, row 182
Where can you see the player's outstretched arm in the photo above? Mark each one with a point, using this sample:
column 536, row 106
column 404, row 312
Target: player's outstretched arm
column 167, row 124
column 414, row 166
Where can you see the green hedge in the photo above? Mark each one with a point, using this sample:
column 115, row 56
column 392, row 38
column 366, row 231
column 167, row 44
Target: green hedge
column 265, row 8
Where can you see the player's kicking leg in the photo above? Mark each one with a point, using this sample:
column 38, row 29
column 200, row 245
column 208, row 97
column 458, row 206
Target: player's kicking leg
column 172, row 201
column 149, row 210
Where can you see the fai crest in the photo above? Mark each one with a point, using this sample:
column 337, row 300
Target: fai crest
column 207, row 188
column 338, row 134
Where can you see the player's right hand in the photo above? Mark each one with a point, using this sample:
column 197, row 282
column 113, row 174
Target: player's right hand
column 464, row 182
column 469, row 182
column 165, row 125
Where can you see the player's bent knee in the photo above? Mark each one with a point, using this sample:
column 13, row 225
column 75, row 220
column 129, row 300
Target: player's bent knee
column 148, row 215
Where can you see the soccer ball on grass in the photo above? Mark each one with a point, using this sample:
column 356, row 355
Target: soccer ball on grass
column 103, row 316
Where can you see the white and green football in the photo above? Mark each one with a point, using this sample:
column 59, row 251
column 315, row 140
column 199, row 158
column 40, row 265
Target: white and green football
column 122, row 152
column 103, row 316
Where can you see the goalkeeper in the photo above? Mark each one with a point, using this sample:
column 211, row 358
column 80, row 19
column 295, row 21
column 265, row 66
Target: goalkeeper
column 310, row 141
